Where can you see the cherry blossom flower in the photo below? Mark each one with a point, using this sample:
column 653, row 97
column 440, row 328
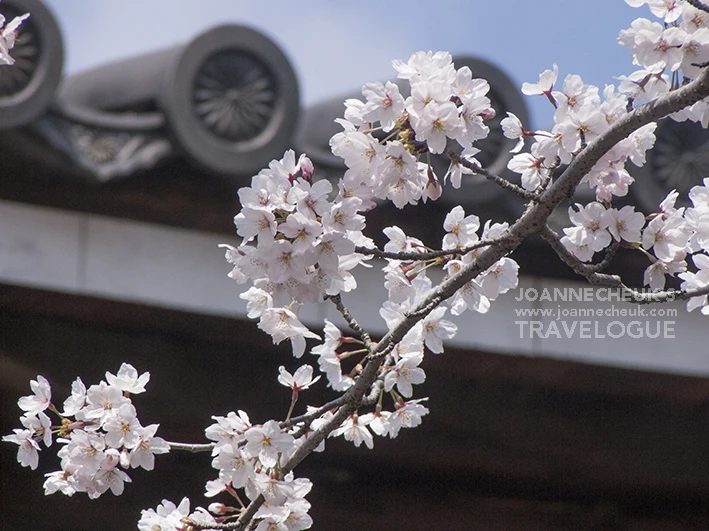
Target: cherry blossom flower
column 251, row 223
column 697, row 280
column 77, row 400
column 582, row 251
column 625, row 224
column 167, row 516
column 470, row 296
column 436, row 329
column 422, row 66
column 512, row 128
column 397, row 284
column 654, row 275
column 354, row 429
column 590, row 228
column 40, row 400
column 667, row 235
column 574, row 95
column 298, row 517
column 109, row 476
column 228, row 429
column 28, row 449
column 266, row 442
column 233, row 465
column 588, row 121
column 529, row 166
column 8, row 34
column 301, row 230
column 377, row 421
column 499, row 278
column 384, row 104
column 102, row 401
column 695, row 50
column 544, row 85
column 301, row 379
column 405, row 373
column 127, row 379
column 399, row 241
column 438, row 122
column 144, row 448
column 59, row 481
column 407, row 415
column 456, row 169
column 122, row 428
column 343, row 216
column 310, row 199
column 280, row 324
column 258, row 300
column 461, row 230
column 40, row 426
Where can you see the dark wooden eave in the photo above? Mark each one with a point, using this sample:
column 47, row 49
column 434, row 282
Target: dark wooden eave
column 177, row 194
column 511, row 442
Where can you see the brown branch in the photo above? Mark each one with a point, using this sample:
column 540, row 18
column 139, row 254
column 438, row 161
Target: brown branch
column 699, row 5
column 309, row 417
column 351, row 321
column 427, row 255
column 500, row 181
column 589, row 271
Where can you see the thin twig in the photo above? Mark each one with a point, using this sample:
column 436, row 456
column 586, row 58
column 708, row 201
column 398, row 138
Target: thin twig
column 426, row 255
column 309, row 417
column 549, row 173
column 193, row 448
column 501, row 182
column 351, row 321
column 591, row 273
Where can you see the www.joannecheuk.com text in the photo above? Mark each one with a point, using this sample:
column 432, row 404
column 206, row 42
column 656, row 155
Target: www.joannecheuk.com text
column 612, row 311
column 596, row 329
column 580, row 294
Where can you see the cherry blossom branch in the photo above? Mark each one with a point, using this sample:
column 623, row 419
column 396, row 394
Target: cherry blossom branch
column 591, row 273
column 699, row 5
column 534, row 219
column 654, row 110
column 500, row 181
column 192, row 448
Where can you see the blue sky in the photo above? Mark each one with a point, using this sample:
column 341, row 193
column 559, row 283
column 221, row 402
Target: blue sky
column 336, row 47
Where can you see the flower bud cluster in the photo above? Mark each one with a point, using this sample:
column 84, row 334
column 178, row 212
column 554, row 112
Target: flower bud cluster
column 445, row 104
column 99, row 429
column 667, row 237
column 250, row 457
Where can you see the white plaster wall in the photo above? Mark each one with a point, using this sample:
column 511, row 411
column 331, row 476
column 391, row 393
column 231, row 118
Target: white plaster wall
column 175, row 268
